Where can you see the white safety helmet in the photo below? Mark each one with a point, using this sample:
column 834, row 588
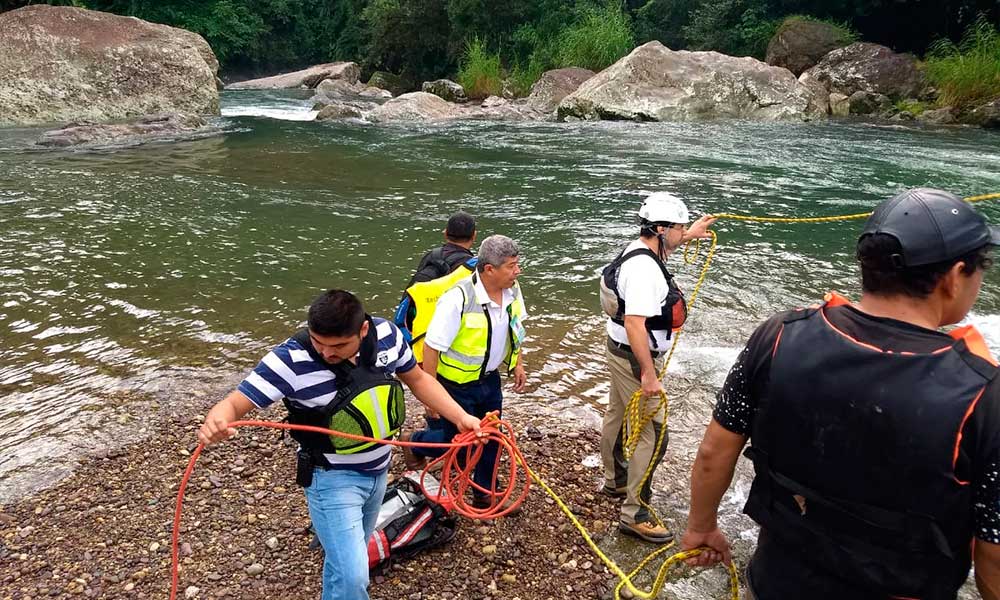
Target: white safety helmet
column 663, row 207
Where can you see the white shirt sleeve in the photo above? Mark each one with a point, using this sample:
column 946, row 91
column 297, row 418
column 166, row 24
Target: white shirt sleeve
column 642, row 286
column 447, row 320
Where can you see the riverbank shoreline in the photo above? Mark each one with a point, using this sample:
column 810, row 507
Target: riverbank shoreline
column 104, row 531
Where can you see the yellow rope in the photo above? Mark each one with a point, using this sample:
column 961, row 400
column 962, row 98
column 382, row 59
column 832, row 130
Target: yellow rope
column 637, row 420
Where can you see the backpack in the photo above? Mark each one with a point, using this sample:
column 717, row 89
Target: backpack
column 416, row 308
column 408, row 522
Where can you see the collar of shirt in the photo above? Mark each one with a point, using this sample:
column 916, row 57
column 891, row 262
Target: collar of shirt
column 483, row 298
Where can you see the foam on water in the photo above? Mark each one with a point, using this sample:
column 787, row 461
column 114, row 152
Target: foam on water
column 281, row 114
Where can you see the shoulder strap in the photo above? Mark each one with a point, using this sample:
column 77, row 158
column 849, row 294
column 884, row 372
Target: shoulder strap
column 647, row 252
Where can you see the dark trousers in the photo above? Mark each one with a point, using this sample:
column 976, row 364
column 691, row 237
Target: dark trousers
column 477, row 399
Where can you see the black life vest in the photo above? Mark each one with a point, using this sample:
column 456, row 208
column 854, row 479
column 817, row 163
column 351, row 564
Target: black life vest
column 673, row 311
column 368, row 402
column 855, row 449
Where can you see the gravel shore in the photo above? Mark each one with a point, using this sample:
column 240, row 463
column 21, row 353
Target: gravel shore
column 104, row 532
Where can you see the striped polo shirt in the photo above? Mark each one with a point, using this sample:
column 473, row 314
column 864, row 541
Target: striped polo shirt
column 289, row 371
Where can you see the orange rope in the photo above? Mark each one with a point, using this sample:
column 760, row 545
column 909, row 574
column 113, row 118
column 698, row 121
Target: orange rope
column 456, row 480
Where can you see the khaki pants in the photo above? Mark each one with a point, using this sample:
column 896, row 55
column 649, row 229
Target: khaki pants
column 617, row 471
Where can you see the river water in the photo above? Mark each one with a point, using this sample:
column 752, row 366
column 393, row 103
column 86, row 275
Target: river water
column 171, row 267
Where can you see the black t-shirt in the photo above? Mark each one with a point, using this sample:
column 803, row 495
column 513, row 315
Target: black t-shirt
column 979, row 451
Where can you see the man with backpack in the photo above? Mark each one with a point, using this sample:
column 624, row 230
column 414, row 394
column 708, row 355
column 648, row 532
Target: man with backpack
column 644, row 307
column 459, row 236
column 339, row 373
column 428, row 282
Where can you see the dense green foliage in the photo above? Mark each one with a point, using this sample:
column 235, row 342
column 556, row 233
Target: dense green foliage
column 423, row 39
column 969, row 72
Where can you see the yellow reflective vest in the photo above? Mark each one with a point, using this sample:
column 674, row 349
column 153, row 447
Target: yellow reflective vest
column 422, row 297
column 466, row 358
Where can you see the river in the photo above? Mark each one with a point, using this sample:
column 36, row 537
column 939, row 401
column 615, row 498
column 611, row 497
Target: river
column 172, row 267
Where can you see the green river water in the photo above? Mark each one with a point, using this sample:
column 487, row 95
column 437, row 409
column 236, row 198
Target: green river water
column 169, row 267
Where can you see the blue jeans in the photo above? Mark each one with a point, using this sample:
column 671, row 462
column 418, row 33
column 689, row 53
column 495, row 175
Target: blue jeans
column 344, row 506
column 477, row 399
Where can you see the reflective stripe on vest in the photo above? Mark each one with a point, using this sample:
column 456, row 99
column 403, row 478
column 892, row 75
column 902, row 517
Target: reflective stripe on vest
column 375, row 406
column 466, row 358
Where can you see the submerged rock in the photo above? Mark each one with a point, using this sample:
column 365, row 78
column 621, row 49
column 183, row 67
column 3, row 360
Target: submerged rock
column 415, row 106
column 654, row 83
column 309, row 78
column 146, row 129
column 338, row 111
column 62, row 63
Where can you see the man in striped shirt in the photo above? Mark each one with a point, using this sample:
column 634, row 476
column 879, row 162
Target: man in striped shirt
column 343, row 488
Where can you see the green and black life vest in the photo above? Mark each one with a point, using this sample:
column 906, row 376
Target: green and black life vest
column 855, row 451
column 368, row 402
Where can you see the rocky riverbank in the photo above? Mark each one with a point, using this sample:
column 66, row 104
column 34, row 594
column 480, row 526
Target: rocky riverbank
column 104, row 532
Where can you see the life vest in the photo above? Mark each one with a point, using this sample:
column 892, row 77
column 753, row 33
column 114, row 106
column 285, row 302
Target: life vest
column 368, row 402
column 855, row 450
column 673, row 311
column 465, row 360
column 416, row 308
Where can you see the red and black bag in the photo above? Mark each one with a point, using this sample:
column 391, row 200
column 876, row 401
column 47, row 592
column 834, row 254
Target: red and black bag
column 408, row 522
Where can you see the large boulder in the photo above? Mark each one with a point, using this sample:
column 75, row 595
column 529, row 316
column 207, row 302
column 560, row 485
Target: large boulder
column 142, row 130
column 63, row 63
column 801, row 43
column 308, row 78
column 388, row 81
column 864, row 67
column 446, row 90
column 654, row 83
column 554, row 85
column 415, row 106
column 987, row 115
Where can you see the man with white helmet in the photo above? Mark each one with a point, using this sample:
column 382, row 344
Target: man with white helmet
column 644, row 306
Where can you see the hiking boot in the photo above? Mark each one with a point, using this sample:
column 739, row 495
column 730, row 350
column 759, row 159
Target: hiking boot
column 613, row 492
column 411, row 460
column 647, row 530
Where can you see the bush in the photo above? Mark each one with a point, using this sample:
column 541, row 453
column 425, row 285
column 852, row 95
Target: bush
column 914, row 107
column 967, row 74
column 598, row 40
column 479, row 70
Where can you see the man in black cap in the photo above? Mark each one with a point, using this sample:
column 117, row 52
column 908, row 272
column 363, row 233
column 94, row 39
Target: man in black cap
column 459, row 235
column 875, row 438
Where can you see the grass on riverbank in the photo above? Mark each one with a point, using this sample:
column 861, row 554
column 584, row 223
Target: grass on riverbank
column 967, row 73
column 480, row 71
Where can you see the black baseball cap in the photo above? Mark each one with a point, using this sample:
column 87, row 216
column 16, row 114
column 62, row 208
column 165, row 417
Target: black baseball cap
column 461, row 226
column 932, row 226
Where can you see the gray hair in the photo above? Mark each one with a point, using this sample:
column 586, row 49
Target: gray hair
column 495, row 250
